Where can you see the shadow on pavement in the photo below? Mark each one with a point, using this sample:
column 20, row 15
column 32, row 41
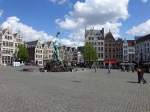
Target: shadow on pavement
column 131, row 82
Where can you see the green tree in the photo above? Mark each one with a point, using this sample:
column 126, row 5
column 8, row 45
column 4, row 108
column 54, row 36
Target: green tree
column 89, row 53
column 22, row 53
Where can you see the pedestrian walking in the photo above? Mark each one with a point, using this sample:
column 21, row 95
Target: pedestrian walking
column 94, row 67
column 109, row 68
column 142, row 76
column 140, row 73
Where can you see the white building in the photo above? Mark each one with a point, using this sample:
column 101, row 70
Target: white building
column 96, row 38
column 80, row 58
column 143, row 49
column 35, row 50
column 47, row 52
column 129, row 51
column 9, row 42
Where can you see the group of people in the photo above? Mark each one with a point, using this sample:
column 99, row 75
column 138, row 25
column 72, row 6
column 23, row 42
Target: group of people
column 140, row 72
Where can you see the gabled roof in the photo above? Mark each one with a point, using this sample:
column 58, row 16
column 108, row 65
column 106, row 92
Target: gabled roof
column 109, row 37
column 131, row 42
column 49, row 43
column 32, row 43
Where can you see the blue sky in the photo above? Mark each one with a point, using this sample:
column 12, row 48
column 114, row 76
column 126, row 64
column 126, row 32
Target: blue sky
column 51, row 16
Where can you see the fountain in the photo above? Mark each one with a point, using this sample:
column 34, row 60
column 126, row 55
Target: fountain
column 56, row 64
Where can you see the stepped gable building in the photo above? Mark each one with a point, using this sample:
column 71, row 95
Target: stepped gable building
column 142, row 49
column 47, row 52
column 119, row 50
column 113, row 50
column 129, row 51
column 110, row 49
column 96, row 38
column 35, row 51
column 9, row 42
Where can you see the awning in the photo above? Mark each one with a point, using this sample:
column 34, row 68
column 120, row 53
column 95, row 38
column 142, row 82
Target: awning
column 147, row 63
column 110, row 61
column 127, row 64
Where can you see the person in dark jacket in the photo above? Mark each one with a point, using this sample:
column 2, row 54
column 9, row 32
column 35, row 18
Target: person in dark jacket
column 140, row 73
column 142, row 76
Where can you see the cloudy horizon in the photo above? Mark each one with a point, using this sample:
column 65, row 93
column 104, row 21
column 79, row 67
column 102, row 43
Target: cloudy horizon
column 70, row 17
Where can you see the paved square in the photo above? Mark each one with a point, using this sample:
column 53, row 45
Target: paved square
column 83, row 91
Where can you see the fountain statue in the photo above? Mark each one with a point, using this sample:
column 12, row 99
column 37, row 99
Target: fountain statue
column 56, row 56
column 56, row 64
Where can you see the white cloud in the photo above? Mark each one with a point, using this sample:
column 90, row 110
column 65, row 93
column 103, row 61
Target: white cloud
column 141, row 29
column 144, row 1
column 77, row 38
column 28, row 33
column 1, row 12
column 93, row 12
column 58, row 1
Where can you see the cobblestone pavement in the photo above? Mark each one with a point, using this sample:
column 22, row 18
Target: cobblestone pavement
column 83, row 91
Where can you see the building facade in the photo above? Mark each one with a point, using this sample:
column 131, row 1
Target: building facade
column 47, row 52
column 80, row 55
column 35, row 50
column 96, row 38
column 113, row 50
column 110, row 50
column 129, row 51
column 9, row 42
column 119, row 50
column 142, row 49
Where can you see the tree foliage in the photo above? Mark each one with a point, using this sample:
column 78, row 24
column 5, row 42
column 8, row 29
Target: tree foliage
column 22, row 53
column 89, row 53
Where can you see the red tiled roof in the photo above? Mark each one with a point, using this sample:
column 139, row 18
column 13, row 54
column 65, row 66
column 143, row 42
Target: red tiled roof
column 131, row 42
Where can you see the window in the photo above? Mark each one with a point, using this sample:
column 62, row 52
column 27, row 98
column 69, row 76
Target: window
column 4, row 43
column 11, row 50
column 11, row 44
column 40, row 62
column 10, row 37
column 99, row 55
column 102, row 55
column 114, row 50
column 109, row 49
column 6, row 37
column 98, row 38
